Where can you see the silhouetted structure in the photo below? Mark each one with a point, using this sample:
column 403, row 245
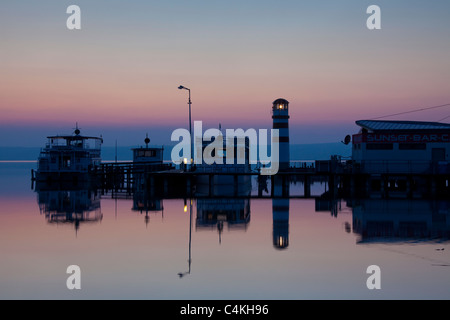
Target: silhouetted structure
column 398, row 147
column 69, row 158
column 280, row 116
column 70, row 206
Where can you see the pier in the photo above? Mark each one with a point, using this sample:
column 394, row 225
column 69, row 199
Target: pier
column 390, row 159
column 343, row 179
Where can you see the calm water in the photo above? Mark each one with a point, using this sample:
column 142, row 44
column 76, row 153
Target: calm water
column 124, row 253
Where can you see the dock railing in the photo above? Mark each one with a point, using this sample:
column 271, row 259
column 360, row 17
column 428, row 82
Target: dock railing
column 402, row 167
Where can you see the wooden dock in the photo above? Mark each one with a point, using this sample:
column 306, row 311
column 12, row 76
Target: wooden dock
column 342, row 181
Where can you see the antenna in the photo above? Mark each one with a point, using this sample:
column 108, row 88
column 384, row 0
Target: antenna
column 412, row 111
column 147, row 140
column 77, row 130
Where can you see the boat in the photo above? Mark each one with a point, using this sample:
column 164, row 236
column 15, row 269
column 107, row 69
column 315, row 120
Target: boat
column 69, row 158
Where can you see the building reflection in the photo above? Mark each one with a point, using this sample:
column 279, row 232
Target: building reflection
column 143, row 203
column 224, row 211
column 233, row 213
column 216, row 214
column 74, row 207
column 392, row 220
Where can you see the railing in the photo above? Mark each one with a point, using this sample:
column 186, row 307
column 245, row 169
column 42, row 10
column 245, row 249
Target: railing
column 402, row 167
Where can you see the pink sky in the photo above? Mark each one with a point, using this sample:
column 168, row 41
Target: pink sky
column 123, row 68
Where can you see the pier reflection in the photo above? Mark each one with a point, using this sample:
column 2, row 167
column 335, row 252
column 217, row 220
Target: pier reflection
column 70, row 206
column 372, row 220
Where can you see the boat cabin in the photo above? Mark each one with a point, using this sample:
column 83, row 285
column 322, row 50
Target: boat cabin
column 70, row 153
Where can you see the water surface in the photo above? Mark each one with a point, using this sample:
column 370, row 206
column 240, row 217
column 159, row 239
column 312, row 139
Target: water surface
column 271, row 249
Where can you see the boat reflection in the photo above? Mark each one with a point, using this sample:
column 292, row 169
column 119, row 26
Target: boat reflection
column 75, row 207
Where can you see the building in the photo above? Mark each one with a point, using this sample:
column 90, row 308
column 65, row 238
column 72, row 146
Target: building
column 216, row 177
column 148, row 155
column 408, row 147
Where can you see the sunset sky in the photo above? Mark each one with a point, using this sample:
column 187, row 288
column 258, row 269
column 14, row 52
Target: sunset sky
column 118, row 75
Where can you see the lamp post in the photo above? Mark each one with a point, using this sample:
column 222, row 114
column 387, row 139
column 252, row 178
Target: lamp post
column 190, row 123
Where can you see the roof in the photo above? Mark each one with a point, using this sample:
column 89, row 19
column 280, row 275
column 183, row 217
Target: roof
column 374, row 125
column 74, row 138
column 280, row 101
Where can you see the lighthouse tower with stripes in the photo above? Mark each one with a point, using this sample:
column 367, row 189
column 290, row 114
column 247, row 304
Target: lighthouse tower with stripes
column 280, row 116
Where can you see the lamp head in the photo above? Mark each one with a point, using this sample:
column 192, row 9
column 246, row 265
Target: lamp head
column 182, row 87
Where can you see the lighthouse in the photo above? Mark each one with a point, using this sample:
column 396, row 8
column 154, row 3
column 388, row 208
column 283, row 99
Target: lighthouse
column 280, row 116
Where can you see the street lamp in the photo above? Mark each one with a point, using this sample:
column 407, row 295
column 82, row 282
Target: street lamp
column 190, row 123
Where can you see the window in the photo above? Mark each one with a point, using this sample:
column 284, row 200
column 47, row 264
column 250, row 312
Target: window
column 146, row 153
column 150, row 153
column 379, row 146
column 412, row 146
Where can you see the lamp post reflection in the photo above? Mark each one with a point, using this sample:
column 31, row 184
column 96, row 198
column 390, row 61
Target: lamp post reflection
column 182, row 274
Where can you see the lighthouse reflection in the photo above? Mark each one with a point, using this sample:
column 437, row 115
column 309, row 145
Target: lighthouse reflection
column 280, row 212
column 70, row 206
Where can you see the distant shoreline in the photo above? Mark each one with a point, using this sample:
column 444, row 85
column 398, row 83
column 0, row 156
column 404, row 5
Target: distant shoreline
column 18, row 161
column 299, row 152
